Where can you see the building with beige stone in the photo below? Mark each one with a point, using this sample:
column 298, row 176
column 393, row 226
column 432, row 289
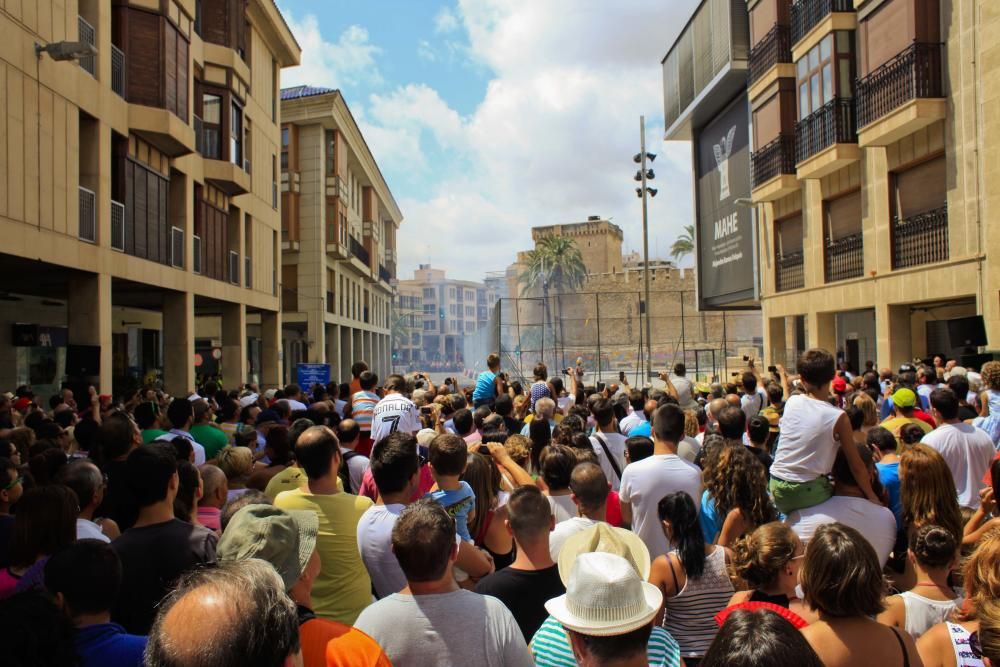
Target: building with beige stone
column 338, row 238
column 873, row 155
column 449, row 312
column 138, row 192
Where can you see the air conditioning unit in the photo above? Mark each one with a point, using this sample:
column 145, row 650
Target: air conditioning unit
column 177, row 247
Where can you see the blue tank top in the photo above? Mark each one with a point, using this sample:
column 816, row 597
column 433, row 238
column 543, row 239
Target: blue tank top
column 485, row 386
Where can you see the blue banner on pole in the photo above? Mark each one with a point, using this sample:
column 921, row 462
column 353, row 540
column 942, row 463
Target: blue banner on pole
column 310, row 374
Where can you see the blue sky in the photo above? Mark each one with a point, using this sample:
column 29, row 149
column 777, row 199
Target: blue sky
column 488, row 117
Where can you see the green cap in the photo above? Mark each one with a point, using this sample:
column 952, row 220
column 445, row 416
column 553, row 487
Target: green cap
column 285, row 539
column 904, row 398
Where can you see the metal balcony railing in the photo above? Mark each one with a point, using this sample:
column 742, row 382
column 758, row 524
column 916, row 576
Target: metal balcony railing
column 913, row 74
column 358, row 250
column 384, row 274
column 777, row 157
column 833, row 123
column 807, row 13
column 920, row 239
column 117, row 225
column 88, row 215
column 775, row 47
column 845, row 258
column 89, row 35
column 118, row 71
column 789, row 272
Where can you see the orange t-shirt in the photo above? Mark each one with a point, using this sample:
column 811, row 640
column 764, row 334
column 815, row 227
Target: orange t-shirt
column 330, row 644
column 355, row 388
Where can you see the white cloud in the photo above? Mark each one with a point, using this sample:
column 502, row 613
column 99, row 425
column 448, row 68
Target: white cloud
column 425, row 51
column 348, row 61
column 445, row 21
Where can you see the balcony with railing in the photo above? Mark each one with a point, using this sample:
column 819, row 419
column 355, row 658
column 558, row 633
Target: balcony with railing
column 89, row 36
column 118, row 71
column 775, row 159
column 88, row 215
column 913, row 76
column 844, row 258
column 359, row 252
column 920, row 239
column 807, row 14
column 775, row 47
column 384, row 274
column 788, row 272
column 830, row 126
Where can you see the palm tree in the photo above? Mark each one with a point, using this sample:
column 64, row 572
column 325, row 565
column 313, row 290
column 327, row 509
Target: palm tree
column 684, row 244
column 555, row 263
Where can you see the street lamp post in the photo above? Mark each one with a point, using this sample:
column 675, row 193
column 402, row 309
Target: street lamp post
column 642, row 176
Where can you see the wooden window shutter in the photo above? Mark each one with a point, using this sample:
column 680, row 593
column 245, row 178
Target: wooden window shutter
column 843, row 216
column 921, row 188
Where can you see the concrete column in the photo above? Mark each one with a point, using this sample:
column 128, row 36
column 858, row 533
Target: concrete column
column 893, row 344
column 270, row 354
column 358, row 348
column 775, row 345
column 822, row 331
column 178, row 343
column 346, row 352
column 234, row 343
column 89, row 320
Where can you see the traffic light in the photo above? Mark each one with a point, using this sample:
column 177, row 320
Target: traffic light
column 395, row 356
column 441, row 313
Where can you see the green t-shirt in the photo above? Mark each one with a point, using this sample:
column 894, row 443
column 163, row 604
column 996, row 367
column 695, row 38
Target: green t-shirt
column 212, row 438
column 151, row 434
column 550, row 647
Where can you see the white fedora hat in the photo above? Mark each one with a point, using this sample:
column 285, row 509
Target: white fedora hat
column 605, row 597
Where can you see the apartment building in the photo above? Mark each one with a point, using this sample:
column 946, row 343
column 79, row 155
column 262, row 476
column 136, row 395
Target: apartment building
column 450, row 311
column 338, row 238
column 870, row 155
column 138, row 198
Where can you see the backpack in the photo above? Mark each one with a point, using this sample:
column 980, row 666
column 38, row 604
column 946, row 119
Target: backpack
column 345, row 471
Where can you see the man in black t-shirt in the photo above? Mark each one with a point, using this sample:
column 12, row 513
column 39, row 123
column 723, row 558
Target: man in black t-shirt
column 533, row 578
column 158, row 548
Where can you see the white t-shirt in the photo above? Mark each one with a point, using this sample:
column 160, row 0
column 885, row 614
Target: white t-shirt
column 88, row 530
column 375, row 546
column 616, row 445
column 968, row 451
column 753, row 403
column 876, row 523
column 807, row 448
column 356, row 467
column 565, row 530
column 630, row 421
column 645, row 482
column 563, row 507
column 296, row 406
column 688, row 449
column 684, row 388
column 394, row 413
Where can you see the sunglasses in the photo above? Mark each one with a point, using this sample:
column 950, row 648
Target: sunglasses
column 975, row 646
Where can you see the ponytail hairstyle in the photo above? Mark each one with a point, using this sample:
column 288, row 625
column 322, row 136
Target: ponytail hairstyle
column 760, row 556
column 678, row 508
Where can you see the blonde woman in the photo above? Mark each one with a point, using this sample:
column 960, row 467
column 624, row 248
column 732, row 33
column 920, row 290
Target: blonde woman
column 869, row 409
column 989, row 400
column 237, row 464
column 769, row 560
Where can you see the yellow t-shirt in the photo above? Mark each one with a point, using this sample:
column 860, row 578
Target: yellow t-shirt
column 343, row 588
column 288, row 479
column 893, row 423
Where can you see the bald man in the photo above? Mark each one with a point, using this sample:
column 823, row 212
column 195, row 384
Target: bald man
column 253, row 621
column 214, row 493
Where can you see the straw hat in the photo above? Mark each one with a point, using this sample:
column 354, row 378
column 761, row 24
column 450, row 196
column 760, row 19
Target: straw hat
column 605, row 538
column 605, row 597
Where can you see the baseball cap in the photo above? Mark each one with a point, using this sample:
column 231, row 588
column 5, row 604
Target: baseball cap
column 284, row 538
column 269, row 394
column 839, row 385
column 22, row 404
column 904, row 398
column 249, row 399
column 605, row 597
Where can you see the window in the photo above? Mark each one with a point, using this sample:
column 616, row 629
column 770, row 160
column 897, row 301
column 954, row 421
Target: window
column 212, row 122
column 275, row 92
column 825, row 72
column 236, row 134
column 428, row 292
column 789, row 233
column 284, row 148
column 274, row 181
column 429, row 326
column 429, row 308
column 451, row 292
column 919, row 189
column 331, row 153
column 843, row 216
column 469, row 295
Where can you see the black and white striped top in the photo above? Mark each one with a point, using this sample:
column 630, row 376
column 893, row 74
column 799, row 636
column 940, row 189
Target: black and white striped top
column 690, row 615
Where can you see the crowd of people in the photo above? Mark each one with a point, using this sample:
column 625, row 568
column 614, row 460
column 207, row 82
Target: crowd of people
column 809, row 518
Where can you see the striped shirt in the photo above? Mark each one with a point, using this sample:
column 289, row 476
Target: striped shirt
column 550, row 647
column 690, row 615
column 362, row 406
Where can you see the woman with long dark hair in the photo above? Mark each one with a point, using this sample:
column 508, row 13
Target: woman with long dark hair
column 45, row 522
column 692, row 577
column 487, row 527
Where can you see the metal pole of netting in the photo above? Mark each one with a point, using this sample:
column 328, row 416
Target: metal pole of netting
column 544, row 316
column 683, row 345
column 638, row 355
column 597, row 309
column 725, row 349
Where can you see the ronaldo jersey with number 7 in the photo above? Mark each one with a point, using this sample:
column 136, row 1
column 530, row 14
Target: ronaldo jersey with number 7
column 394, row 413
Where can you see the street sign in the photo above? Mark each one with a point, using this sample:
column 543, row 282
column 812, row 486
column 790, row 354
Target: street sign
column 310, row 374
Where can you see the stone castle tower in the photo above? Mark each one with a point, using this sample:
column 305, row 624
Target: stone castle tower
column 599, row 241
